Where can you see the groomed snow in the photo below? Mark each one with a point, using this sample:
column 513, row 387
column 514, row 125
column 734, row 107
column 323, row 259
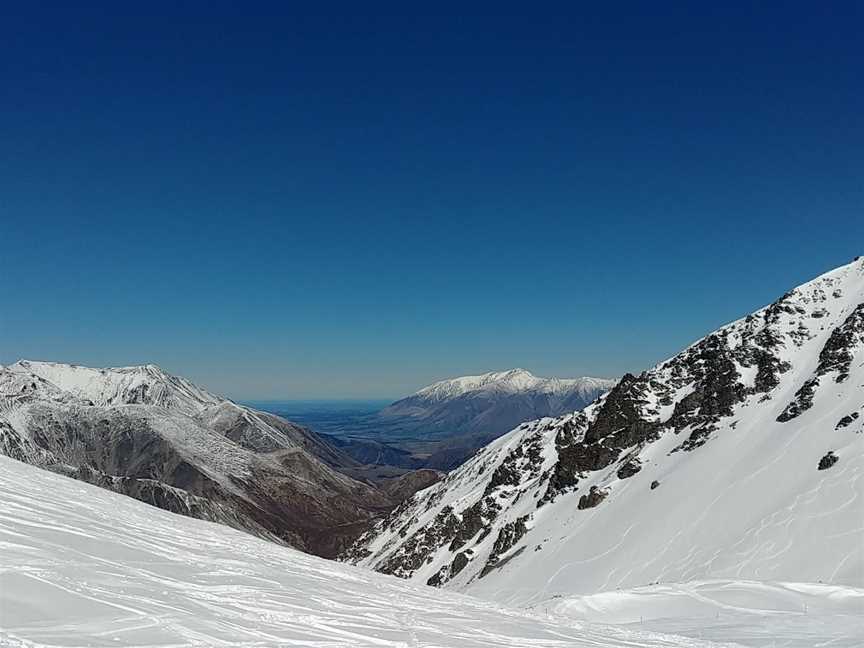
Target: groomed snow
column 81, row 566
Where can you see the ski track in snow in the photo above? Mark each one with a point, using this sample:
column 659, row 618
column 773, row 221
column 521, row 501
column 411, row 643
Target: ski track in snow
column 80, row 566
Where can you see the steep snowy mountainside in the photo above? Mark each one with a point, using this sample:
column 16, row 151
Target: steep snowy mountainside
column 161, row 439
column 740, row 457
column 84, row 567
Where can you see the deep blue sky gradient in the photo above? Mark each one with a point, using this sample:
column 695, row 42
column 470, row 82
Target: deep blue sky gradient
column 358, row 201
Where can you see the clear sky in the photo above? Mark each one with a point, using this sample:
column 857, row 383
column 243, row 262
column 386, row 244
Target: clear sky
column 358, row 201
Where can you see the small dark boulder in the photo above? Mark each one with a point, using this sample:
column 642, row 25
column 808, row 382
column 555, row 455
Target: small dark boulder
column 654, row 484
column 846, row 421
column 828, row 460
column 629, row 469
column 592, row 499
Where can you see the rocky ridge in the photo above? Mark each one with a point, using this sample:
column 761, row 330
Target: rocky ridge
column 756, row 402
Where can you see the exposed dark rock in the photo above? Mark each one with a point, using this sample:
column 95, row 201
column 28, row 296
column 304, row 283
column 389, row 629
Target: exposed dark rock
column 421, row 544
column 447, row 572
column 508, row 536
column 802, row 402
column 447, row 528
column 715, row 391
column 654, row 484
column 523, row 462
column 619, row 422
column 838, row 351
column 507, row 473
column 828, row 460
column 629, row 469
column 847, row 420
column 472, row 522
column 618, row 425
column 593, row 498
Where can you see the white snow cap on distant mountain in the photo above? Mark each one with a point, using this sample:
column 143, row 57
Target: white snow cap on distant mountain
column 472, row 410
column 144, row 385
column 512, row 381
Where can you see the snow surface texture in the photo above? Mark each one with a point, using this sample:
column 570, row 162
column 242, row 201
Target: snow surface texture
column 715, row 464
column 81, row 566
column 750, row 613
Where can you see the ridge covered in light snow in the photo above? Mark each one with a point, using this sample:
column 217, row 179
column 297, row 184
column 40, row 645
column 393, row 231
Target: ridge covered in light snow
column 81, row 566
column 742, row 457
column 145, row 385
column 460, row 415
column 511, row 381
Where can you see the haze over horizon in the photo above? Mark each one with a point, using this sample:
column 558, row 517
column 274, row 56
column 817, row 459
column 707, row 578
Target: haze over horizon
column 284, row 204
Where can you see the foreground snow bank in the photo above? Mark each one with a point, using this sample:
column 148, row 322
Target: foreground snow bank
column 750, row 613
column 81, row 566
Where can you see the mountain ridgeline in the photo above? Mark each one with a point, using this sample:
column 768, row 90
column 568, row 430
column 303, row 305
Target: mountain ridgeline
column 160, row 439
column 443, row 424
column 739, row 457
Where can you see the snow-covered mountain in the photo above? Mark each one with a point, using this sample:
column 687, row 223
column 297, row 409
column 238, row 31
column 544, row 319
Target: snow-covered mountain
column 161, row 439
column 81, row 566
column 514, row 381
column 741, row 457
column 472, row 410
column 144, row 385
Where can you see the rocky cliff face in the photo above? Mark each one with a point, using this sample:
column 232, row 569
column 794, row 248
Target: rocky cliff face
column 161, row 439
column 709, row 464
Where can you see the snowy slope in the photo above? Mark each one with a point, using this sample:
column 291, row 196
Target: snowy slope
column 84, row 567
column 717, row 463
column 163, row 440
column 750, row 613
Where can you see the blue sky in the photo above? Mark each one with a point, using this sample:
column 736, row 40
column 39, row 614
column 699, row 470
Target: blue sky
column 348, row 203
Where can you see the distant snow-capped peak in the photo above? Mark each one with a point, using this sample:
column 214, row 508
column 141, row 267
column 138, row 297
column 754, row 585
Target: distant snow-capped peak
column 145, row 384
column 512, row 381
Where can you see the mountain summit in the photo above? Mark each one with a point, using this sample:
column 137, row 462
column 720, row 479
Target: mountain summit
column 466, row 413
column 740, row 457
column 508, row 382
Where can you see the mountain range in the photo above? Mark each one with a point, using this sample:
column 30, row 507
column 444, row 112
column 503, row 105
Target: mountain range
column 741, row 457
column 161, row 439
column 724, row 482
column 443, row 424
